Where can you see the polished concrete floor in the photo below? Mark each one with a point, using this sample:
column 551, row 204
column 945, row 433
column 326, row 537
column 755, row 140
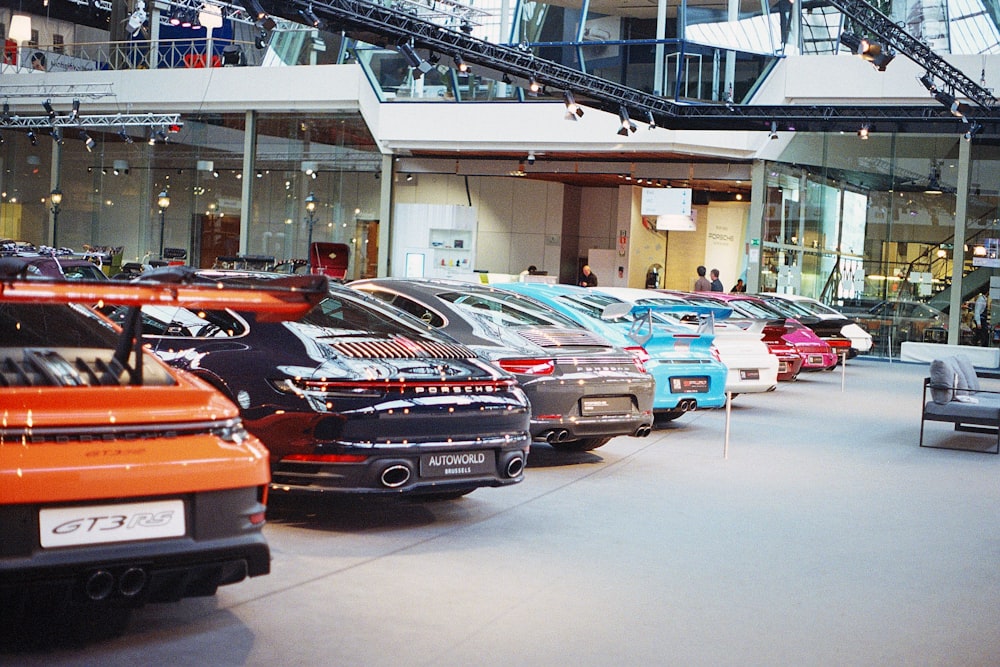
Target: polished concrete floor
column 821, row 536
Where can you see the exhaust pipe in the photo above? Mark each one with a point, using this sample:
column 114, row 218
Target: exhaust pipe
column 642, row 432
column 99, row 585
column 395, row 476
column 556, row 435
column 515, row 466
column 132, row 582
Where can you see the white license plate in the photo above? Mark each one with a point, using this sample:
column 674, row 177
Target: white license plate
column 815, row 359
column 750, row 374
column 104, row 524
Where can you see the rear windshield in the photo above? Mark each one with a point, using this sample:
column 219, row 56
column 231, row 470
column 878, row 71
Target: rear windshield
column 53, row 325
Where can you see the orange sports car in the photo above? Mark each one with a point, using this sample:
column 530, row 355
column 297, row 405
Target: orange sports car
column 122, row 480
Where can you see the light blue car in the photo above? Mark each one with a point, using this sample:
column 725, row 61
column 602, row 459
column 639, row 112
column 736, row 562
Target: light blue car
column 684, row 363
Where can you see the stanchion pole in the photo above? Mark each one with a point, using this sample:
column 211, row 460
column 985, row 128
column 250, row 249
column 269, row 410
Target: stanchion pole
column 729, row 406
column 843, row 371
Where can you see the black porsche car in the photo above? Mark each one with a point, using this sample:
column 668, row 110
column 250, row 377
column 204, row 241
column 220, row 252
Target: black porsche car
column 354, row 397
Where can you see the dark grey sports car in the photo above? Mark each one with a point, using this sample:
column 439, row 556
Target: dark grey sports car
column 583, row 390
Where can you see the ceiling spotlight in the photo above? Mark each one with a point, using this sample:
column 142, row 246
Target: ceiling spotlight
column 460, row 64
column 466, row 27
column 6, row 113
column 125, row 136
column 88, row 141
column 254, row 9
column 75, row 111
column 136, row 20
column 973, row 130
column 414, row 61
column 774, row 129
column 47, row 104
column 409, row 178
column 262, row 38
column 175, row 17
column 651, row 120
column 863, row 132
column 310, row 16
column 878, row 55
column 531, row 157
column 573, row 110
column 627, row 124
column 533, row 87
column 57, row 135
column 32, row 138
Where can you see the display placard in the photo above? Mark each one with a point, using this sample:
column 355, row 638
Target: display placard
column 665, row 201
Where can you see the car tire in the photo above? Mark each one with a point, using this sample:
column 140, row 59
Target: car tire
column 581, row 445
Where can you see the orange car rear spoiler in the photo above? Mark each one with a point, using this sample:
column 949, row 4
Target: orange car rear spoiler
column 274, row 300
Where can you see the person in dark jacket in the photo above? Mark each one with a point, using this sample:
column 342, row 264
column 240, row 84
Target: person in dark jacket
column 587, row 277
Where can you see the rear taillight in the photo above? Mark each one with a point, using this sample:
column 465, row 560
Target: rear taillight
column 715, row 354
column 325, row 458
column 639, row 357
column 528, row 366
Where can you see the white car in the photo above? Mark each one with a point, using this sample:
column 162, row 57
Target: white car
column 752, row 366
column 860, row 339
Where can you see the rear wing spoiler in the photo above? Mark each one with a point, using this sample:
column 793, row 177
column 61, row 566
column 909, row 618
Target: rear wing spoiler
column 278, row 299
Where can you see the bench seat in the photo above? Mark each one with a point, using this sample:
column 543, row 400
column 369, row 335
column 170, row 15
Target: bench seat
column 953, row 394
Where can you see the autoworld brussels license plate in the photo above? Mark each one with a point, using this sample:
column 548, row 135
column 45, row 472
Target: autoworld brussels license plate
column 605, row 405
column 457, row 464
column 103, row 524
column 749, row 374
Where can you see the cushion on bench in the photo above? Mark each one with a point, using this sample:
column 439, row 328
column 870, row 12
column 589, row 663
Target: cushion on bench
column 944, row 381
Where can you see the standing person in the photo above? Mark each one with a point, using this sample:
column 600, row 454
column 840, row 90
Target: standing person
column 702, row 284
column 981, row 317
column 587, row 277
column 740, row 287
column 716, row 283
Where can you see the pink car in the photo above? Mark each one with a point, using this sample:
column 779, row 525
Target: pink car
column 816, row 354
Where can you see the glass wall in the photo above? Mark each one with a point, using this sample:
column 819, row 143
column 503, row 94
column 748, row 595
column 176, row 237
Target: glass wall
column 870, row 227
column 111, row 191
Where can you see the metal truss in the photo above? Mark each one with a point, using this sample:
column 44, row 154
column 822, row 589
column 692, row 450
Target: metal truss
column 881, row 25
column 14, row 121
column 48, row 90
column 374, row 22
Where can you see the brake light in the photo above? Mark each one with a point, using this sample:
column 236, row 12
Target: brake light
column 639, row 357
column 528, row 366
column 839, row 343
column 716, row 355
column 325, row 458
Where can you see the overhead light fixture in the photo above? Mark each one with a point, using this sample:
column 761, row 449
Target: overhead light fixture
column 136, row 20
column 175, row 16
column 863, row 132
column 774, row 129
column 627, row 124
column 413, row 60
column 409, row 178
column 573, row 110
column 57, row 135
column 74, row 113
column 6, row 113
column 262, row 38
column 47, row 104
column 946, row 99
column 32, row 138
column 973, row 130
column 254, row 9
column 460, row 64
column 125, row 136
column 533, row 86
column 310, row 16
column 466, row 26
column 88, row 140
column 651, row 120
column 878, row 55
column 531, row 157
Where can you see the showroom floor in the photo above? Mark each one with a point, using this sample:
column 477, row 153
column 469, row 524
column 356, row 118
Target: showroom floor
column 827, row 537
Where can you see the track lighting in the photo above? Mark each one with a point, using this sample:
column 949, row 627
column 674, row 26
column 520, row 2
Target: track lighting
column 262, row 38
column 774, row 130
column 47, row 104
column 6, row 113
column 627, row 124
column 57, row 135
column 460, row 64
column 863, row 132
column 136, row 20
column 531, row 157
column 947, row 100
column 125, row 136
column 573, row 110
column 75, row 111
column 32, row 138
column 973, row 130
column 651, row 120
column 88, row 141
column 533, row 87
column 254, row 9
